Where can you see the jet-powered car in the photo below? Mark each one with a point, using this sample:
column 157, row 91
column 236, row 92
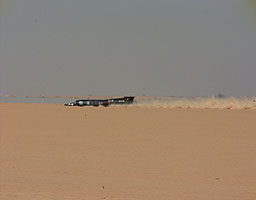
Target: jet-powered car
column 104, row 102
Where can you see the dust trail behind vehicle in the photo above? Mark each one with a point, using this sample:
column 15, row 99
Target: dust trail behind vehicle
column 248, row 103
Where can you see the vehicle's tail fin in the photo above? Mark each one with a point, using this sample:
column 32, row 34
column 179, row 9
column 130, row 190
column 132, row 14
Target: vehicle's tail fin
column 129, row 99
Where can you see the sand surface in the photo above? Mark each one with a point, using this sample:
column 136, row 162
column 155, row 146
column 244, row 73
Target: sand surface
column 68, row 153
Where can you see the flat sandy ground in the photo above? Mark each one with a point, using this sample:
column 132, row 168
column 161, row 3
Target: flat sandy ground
column 54, row 152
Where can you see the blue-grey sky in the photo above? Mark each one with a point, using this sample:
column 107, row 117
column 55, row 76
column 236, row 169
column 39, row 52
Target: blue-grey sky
column 120, row 47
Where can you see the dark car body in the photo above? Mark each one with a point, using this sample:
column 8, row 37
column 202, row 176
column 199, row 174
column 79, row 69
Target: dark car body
column 103, row 102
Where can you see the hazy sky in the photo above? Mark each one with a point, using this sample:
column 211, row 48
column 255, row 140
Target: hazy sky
column 128, row 47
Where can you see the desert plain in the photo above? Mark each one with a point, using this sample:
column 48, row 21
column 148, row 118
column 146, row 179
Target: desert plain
column 48, row 151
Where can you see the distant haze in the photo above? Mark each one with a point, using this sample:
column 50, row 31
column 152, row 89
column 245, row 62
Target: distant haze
column 123, row 47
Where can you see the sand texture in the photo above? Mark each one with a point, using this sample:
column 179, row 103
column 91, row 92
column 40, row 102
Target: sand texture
column 52, row 152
